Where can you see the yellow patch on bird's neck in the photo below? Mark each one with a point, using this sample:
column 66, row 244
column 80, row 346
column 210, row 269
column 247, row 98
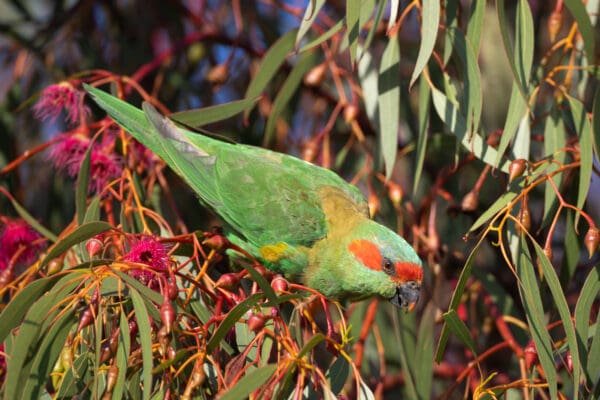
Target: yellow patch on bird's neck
column 273, row 252
column 341, row 212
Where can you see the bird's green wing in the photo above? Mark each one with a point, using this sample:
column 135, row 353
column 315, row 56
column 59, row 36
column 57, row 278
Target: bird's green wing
column 266, row 196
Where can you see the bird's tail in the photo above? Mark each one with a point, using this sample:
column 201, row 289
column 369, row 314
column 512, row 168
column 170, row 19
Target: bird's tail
column 170, row 143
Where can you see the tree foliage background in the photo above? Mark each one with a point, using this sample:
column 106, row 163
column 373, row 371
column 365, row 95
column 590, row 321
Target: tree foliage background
column 471, row 126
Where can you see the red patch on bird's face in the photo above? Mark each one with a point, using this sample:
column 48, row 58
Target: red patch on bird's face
column 367, row 253
column 370, row 256
column 406, row 271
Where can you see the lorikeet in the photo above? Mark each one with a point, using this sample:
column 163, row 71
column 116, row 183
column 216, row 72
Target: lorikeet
column 301, row 220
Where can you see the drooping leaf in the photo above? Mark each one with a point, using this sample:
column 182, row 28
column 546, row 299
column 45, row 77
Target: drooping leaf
column 389, row 103
column 424, row 112
column 430, row 19
column 577, row 9
column 352, row 26
column 249, row 383
column 145, row 337
column 587, row 296
column 584, row 132
column 460, row 330
column 310, row 14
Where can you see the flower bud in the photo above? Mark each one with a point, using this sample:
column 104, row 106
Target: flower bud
column 54, row 266
column 167, row 314
column 530, row 354
column 569, row 361
column 315, row 76
column 279, row 284
column 470, row 201
column 524, row 219
column 256, row 322
column 351, row 112
column 592, row 238
column 94, row 247
column 374, row 204
column 310, row 151
column 216, row 242
column 227, row 281
column 516, row 169
column 395, row 193
column 111, row 377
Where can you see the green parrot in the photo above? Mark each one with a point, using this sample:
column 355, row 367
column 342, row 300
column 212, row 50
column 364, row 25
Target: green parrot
column 300, row 220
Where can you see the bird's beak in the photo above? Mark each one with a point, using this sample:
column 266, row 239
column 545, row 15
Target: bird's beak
column 407, row 295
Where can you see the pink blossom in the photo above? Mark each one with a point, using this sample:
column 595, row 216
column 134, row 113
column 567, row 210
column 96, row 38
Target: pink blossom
column 68, row 154
column 148, row 250
column 14, row 235
column 61, row 96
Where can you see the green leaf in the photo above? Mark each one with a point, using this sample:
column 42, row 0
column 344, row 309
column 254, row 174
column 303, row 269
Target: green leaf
column 563, row 310
column 381, row 7
column 475, row 24
column 534, row 311
column 460, row 330
column 232, row 317
column 271, row 61
column 203, row 116
column 596, row 122
column 365, row 392
column 14, row 311
column 122, row 354
column 145, row 336
column 352, row 26
column 314, row 43
column 474, row 143
column 577, row 9
column 519, row 59
column 310, row 14
column 249, row 383
column 46, row 354
column 430, row 20
column 584, row 132
column 83, row 183
column 587, row 296
column 455, row 301
column 424, row 115
column 93, row 210
column 554, row 141
column 517, row 109
column 306, row 62
column 424, row 353
column 337, row 374
column 389, row 103
column 32, row 221
column 83, row 232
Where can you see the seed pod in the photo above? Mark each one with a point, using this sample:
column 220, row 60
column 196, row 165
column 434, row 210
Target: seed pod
column 470, row 201
column 256, row 322
column 310, row 151
column 164, row 338
column 86, row 317
column 569, row 361
column 315, row 76
column 530, row 354
column 524, row 219
column 172, row 289
column 516, row 169
column 592, row 239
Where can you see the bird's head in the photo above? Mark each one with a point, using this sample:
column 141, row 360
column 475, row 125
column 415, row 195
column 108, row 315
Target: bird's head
column 390, row 265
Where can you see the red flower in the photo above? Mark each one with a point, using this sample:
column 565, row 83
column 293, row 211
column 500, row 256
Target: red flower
column 14, row 235
column 148, row 250
column 61, row 96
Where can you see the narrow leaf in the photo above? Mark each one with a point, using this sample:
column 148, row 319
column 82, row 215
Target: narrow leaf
column 460, row 330
column 310, row 15
column 270, row 64
column 596, row 122
column 33, row 222
column 80, row 234
column 249, row 383
column 203, row 116
column 352, row 27
column 588, row 294
column 389, row 103
column 577, row 8
column 430, row 19
column 424, row 112
column 584, row 132
column 322, row 38
column 306, row 61
column 145, row 337
column 475, row 24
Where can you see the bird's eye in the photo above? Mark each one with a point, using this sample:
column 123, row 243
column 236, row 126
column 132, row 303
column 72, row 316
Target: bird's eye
column 388, row 266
